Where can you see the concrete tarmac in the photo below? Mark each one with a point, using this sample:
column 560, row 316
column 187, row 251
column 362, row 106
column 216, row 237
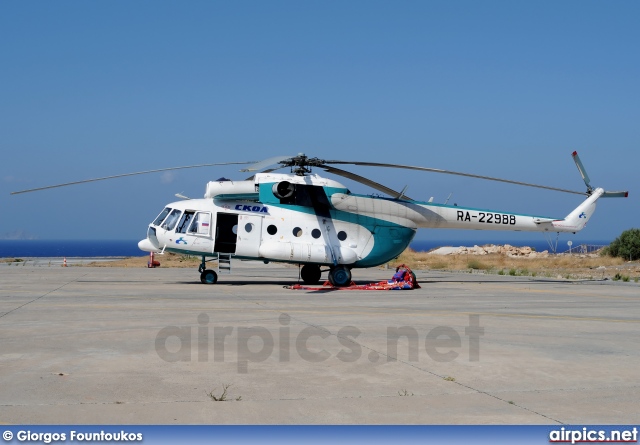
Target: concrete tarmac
column 89, row 345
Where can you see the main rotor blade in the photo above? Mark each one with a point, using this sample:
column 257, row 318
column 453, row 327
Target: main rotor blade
column 265, row 163
column 449, row 172
column 126, row 174
column 365, row 181
column 269, row 170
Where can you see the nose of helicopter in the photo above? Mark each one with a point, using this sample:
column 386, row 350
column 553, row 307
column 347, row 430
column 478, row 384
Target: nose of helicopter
column 147, row 246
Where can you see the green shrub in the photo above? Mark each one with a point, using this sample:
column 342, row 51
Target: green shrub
column 627, row 245
column 512, row 272
column 501, row 272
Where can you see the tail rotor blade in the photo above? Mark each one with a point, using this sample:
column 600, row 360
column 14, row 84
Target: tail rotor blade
column 624, row 194
column 581, row 169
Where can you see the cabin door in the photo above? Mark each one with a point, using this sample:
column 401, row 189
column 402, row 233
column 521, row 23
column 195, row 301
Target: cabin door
column 249, row 235
column 226, row 234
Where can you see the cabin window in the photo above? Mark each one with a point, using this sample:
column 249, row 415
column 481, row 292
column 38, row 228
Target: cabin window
column 316, row 233
column 297, row 232
column 342, row 235
column 201, row 224
column 248, row 227
column 272, row 230
column 185, row 221
column 171, row 220
column 161, row 216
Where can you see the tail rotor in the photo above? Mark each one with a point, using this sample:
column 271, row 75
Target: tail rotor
column 587, row 181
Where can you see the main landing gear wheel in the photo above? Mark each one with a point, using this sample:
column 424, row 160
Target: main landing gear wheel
column 340, row 276
column 208, row 277
column 310, row 273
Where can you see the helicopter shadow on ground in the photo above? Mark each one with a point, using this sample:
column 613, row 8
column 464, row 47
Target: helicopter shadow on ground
column 261, row 280
column 249, row 281
column 318, row 287
column 283, row 283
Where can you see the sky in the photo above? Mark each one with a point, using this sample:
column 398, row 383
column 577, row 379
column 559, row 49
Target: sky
column 496, row 88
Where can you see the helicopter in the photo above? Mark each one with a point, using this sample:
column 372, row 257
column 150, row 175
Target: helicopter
column 303, row 218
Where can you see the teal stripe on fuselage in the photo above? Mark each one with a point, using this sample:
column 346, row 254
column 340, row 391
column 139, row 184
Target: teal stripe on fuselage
column 237, row 197
column 390, row 239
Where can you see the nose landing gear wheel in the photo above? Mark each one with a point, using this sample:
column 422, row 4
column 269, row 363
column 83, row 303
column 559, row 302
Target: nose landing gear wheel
column 310, row 273
column 340, row 276
column 208, row 277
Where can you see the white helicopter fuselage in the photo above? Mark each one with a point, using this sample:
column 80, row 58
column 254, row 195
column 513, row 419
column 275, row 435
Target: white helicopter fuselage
column 313, row 220
column 316, row 222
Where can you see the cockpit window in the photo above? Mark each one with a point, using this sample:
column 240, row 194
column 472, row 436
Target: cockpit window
column 184, row 222
column 171, row 220
column 161, row 216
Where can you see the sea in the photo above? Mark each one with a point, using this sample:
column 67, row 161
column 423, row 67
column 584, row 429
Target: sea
column 124, row 248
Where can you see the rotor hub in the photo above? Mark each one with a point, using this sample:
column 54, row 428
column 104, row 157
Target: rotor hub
column 301, row 164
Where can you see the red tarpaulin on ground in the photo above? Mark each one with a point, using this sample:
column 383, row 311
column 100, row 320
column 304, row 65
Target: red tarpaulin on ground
column 403, row 279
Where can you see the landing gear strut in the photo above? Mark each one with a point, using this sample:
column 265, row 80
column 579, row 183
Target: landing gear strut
column 310, row 273
column 340, row 276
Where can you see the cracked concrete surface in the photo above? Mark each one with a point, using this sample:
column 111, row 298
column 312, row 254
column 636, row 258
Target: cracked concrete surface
column 111, row 346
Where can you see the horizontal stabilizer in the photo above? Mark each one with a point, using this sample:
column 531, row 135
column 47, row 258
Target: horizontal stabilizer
column 543, row 220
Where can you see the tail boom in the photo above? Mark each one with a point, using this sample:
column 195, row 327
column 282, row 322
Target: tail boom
column 428, row 215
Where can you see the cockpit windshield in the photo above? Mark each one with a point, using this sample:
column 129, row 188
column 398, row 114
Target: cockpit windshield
column 171, row 220
column 161, row 216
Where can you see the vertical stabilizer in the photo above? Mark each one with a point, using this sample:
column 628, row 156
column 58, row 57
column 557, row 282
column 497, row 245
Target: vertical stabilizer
column 577, row 220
